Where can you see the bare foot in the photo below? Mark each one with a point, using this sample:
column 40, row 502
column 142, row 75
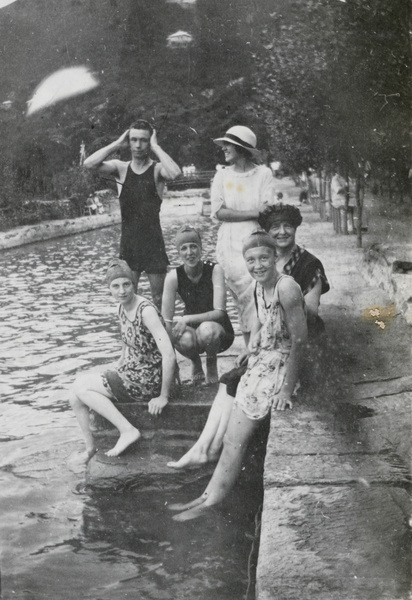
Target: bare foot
column 78, row 460
column 192, row 513
column 194, row 456
column 212, row 375
column 197, row 371
column 124, row 441
column 188, row 505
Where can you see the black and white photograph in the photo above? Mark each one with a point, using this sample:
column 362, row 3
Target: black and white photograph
column 205, row 300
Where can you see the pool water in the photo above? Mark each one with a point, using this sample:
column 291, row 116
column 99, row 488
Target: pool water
column 57, row 318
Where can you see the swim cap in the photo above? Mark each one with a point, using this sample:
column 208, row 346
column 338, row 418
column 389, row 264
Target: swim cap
column 258, row 239
column 187, row 234
column 280, row 213
column 119, row 268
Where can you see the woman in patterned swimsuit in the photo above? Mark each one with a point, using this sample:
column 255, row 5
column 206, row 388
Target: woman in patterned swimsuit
column 145, row 369
column 277, row 342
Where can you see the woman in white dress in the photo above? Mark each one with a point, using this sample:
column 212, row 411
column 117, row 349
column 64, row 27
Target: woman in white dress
column 239, row 192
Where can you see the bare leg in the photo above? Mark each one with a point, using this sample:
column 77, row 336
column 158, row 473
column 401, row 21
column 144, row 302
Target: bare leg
column 210, row 441
column 187, row 346
column 156, row 281
column 212, row 375
column 209, row 339
column 197, row 369
column 89, row 392
column 239, row 431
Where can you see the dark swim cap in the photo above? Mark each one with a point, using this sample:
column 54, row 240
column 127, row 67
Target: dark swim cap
column 119, row 268
column 187, row 234
column 280, row 213
column 258, row 239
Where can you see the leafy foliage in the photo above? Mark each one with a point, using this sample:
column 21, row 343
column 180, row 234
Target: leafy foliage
column 333, row 83
column 320, row 81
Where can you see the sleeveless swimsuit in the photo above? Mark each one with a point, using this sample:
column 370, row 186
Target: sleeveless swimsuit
column 142, row 245
column 140, row 374
column 198, row 298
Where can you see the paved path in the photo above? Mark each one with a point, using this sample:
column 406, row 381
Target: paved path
column 335, row 521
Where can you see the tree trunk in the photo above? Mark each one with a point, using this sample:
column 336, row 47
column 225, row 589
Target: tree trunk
column 359, row 207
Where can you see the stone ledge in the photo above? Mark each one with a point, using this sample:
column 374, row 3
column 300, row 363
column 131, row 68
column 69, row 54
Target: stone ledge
column 380, row 266
column 53, row 229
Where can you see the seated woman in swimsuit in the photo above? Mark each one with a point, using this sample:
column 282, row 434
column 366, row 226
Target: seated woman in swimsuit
column 145, row 369
column 281, row 222
column 277, row 343
column 205, row 325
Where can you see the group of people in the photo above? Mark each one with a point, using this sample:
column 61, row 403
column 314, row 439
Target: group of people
column 276, row 287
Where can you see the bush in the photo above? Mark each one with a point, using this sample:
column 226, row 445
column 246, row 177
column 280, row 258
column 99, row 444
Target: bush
column 74, row 181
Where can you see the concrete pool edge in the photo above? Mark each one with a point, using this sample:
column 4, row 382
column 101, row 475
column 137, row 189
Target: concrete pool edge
column 28, row 234
column 174, row 206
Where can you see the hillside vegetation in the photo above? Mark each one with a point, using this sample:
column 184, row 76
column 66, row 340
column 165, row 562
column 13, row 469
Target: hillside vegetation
column 321, row 82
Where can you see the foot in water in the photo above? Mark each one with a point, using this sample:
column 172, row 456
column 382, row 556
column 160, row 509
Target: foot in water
column 191, row 458
column 124, row 441
column 79, row 460
column 212, row 375
column 180, row 506
column 193, row 513
column 194, row 457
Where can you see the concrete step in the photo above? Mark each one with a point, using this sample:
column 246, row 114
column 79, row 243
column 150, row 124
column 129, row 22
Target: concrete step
column 144, row 464
column 187, row 412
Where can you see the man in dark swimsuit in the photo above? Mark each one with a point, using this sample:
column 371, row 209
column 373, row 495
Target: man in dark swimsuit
column 140, row 183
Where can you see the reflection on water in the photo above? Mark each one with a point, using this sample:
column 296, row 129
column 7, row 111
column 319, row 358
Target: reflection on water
column 56, row 318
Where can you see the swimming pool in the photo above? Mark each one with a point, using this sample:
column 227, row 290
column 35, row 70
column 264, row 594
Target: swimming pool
column 57, row 318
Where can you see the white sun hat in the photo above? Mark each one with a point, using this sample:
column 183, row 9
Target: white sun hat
column 240, row 136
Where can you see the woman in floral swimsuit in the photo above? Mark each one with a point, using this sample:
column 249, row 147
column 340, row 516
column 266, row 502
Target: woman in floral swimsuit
column 145, row 369
column 277, row 342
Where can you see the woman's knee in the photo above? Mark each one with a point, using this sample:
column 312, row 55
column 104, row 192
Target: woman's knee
column 85, row 382
column 186, row 343
column 209, row 334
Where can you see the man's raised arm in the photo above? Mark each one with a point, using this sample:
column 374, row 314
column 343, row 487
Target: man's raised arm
column 168, row 168
column 97, row 160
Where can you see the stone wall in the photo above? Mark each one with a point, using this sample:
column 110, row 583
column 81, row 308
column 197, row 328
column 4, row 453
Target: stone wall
column 52, row 229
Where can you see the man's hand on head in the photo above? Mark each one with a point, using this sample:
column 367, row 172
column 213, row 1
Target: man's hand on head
column 153, row 139
column 123, row 140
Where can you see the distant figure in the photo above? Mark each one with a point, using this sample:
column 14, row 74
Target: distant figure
column 304, row 185
column 239, row 192
column 205, row 325
column 340, row 200
column 82, row 153
column 351, row 207
column 99, row 205
column 91, row 205
column 339, row 190
column 145, row 369
column 140, row 184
